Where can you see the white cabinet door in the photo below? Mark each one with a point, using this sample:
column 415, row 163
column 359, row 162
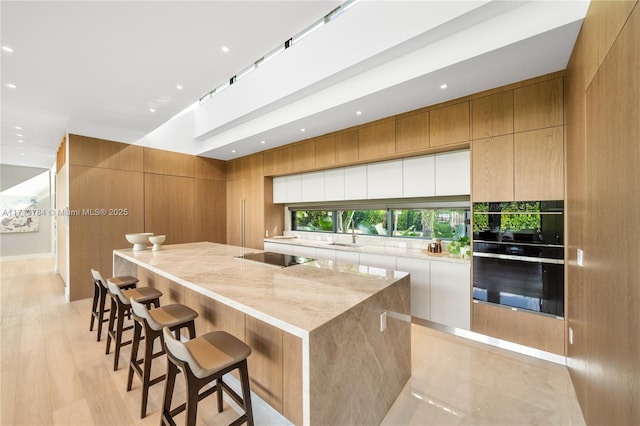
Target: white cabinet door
column 294, row 188
column 453, row 173
column 279, row 189
column 334, row 184
column 420, row 285
column 378, row 260
column 451, row 294
column 325, row 254
column 384, row 180
column 419, row 176
column 349, row 257
column 278, row 248
column 312, row 186
column 355, row 183
column 304, row 251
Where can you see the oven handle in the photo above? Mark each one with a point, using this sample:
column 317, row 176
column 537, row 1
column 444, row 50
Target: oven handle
column 519, row 258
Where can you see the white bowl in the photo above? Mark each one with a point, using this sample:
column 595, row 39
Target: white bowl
column 139, row 240
column 157, row 241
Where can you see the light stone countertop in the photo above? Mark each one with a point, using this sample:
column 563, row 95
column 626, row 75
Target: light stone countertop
column 297, row 299
column 363, row 247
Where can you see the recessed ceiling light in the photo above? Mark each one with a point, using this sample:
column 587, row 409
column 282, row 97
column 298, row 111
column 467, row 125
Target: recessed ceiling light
column 152, row 110
column 303, row 130
column 263, row 142
column 443, row 86
column 179, row 87
column 20, row 141
column 18, row 128
column 358, row 112
column 7, row 49
column 233, row 151
column 225, row 49
column 19, row 135
column 11, row 86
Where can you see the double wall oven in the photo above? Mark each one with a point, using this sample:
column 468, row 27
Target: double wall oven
column 518, row 255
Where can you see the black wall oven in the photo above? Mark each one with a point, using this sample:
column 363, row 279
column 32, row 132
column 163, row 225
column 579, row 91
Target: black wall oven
column 518, row 255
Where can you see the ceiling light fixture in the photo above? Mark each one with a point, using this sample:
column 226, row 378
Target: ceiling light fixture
column 303, row 130
column 152, row 110
column 11, row 86
column 225, row 49
column 443, row 86
column 263, row 142
column 179, row 87
column 358, row 112
column 233, row 151
column 19, row 135
column 7, row 49
column 20, row 141
column 18, row 128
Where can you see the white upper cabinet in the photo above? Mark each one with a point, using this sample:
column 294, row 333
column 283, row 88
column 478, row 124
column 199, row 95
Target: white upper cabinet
column 384, row 180
column 453, row 173
column 294, row 188
column 419, row 176
column 334, row 184
column 355, row 183
column 312, row 185
column 279, row 189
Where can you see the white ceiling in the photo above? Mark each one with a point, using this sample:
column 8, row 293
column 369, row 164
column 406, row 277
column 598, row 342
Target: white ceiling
column 96, row 68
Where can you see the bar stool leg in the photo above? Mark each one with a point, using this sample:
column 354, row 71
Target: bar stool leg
column 101, row 303
column 112, row 320
column 119, row 332
column 137, row 332
column 192, row 404
column 246, row 393
column 172, row 372
column 146, row 373
column 94, row 306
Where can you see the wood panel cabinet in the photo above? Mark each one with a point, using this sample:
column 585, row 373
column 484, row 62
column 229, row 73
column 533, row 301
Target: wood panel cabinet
column 325, row 150
column 211, row 210
column 529, row 329
column 492, row 115
column 168, row 163
column 347, row 146
column 492, row 165
column 538, row 106
column 170, row 207
column 412, row 133
column 244, row 199
column 303, row 156
column 449, row 125
column 377, row 140
column 539, row 164
column 276, row 162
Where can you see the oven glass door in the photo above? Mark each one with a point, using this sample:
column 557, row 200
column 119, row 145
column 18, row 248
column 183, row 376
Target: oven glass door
column 531, row 285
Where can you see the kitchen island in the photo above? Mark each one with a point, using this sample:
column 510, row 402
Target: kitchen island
column 319, row 355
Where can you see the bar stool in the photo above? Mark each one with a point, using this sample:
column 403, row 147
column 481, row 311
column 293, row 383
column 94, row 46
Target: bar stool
column 174, row 317
column 120, row 307
column 203, row 360
column 100, row 292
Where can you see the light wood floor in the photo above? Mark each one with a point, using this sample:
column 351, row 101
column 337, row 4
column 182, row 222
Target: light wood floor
column 55, row 373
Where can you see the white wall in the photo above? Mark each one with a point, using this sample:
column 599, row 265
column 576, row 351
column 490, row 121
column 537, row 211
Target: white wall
column 28, row 243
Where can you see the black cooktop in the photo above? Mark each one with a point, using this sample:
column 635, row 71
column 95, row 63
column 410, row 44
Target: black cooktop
column 277, row 259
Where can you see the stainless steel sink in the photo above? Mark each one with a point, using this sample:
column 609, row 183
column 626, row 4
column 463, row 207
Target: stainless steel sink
column 342, row 244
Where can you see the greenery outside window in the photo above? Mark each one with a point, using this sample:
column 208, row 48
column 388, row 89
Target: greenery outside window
column 428, row 223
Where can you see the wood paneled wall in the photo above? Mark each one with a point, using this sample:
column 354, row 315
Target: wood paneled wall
column 117, row 188
column 603, row 130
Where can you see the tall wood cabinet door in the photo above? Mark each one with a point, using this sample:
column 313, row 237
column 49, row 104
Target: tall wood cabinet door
column 235, row 195
column 412, row 133
column 538, row 106
column 377, row 140
column 492, row 164
column 449, row 125
column 492, row 115
column 539, row 164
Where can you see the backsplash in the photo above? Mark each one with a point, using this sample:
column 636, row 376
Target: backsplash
column 367, row 240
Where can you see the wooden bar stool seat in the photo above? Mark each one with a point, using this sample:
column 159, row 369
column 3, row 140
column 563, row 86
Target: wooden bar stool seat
column 100, row 294
column 174, row 317
column 204, row 360
column 121, row 307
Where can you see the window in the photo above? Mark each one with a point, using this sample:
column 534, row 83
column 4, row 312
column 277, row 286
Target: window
column 444, row 223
